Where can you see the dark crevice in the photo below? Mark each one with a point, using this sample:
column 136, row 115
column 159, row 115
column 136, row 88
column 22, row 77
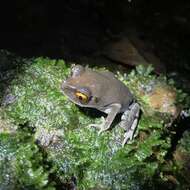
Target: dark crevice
column 178, row 129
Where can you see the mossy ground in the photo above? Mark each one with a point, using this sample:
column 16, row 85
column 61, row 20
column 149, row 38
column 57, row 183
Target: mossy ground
column 51, row 143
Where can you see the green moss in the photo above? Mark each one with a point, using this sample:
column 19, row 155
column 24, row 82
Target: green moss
column 185, row 142
column 71, row 148
column 21, row 163
column 38, row 96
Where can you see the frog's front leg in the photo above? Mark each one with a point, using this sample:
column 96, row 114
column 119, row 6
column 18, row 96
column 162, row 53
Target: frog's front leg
column 129, row 121
column 112, row 111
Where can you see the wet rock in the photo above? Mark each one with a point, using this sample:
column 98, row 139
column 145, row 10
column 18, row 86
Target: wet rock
column 132, row 52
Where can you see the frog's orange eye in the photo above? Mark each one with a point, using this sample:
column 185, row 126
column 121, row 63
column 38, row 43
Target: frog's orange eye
column 83, row 98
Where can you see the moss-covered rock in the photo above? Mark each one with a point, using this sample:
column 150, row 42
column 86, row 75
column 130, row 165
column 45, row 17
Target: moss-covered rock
column 75, row 153
column 158, row 96
column 21, row 163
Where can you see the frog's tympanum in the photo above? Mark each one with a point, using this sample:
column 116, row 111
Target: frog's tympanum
column 103, row 91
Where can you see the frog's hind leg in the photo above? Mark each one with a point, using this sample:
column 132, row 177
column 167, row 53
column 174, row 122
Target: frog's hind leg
column 129, row 121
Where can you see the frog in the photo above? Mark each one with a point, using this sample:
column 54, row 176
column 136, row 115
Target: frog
column 101, row 90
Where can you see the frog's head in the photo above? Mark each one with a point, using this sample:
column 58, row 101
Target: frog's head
column 78, row 89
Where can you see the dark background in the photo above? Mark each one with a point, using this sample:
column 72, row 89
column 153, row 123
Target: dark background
column 69, row 29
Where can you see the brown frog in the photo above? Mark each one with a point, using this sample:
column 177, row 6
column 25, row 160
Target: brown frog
column 103, row 91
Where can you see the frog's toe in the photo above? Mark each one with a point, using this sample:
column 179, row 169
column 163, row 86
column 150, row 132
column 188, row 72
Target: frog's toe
column 98, row 126
column 100, row 131
column 130, row 133
column 127, row 137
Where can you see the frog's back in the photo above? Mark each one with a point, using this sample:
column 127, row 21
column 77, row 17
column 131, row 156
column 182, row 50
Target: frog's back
column 112, row 90
column 121, row 92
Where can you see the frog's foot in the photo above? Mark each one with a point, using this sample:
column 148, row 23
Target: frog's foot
column 100, row 126
column 130, row 133
column 129, row 121
column 112, row 111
